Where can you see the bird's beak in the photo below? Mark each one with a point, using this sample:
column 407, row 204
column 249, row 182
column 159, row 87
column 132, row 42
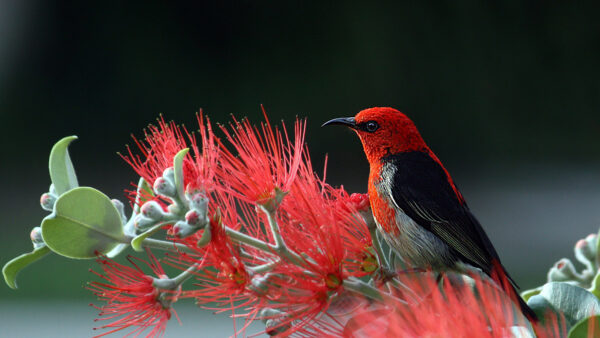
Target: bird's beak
column 345, row 121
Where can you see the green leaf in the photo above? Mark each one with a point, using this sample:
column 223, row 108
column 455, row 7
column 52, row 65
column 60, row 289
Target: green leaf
column 62, row 172
column 574, row 302
column 136, row 243
column 12, row 268
column 595, row 288
column 178, row 169
column 588, row 327
column 531, row 292
column 85, row 222
column 546, row 313
column 117, row 250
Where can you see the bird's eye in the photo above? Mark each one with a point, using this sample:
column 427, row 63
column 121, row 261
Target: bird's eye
column 371, row 126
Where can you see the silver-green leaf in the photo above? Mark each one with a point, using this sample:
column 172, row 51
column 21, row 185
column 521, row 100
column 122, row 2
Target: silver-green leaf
column 84, row 223
column 15, row 265
column 574, row 302
column 178, row 168
column 61, row 168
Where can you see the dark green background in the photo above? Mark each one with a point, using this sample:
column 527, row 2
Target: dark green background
column 503, row 92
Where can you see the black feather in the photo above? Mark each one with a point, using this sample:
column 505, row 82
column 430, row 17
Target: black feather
column 421, row 188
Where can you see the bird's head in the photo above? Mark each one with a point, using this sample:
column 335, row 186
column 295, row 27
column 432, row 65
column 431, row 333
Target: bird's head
column 383, row 131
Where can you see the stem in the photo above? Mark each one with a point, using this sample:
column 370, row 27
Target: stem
column 381, row 258
column 279, row 242
column 264, row 267
column 164, row 245
column 280, row 246
column 356, row 285
column 249, row 240
column 173, row 283
column 187, row 274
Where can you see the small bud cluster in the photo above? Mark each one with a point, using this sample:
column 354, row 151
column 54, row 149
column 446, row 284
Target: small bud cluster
column 194, row 208
column 274, row 321
column 47, row 202
column 36, row 237
column 165, row 185
column 587, row 254
column 151, row 212
column 48, row 199
column 196, row 218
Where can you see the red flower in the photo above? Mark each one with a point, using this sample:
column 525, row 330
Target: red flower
column 132, row 300
column 324, row 225
column 321, row 224
column 164, row 141
column 224, row 277
column 200, row 173
column 161, row 144
column 266, row 159
column 222, row 270
column 460, row 310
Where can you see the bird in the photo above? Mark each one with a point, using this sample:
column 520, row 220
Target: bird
column 416, row 205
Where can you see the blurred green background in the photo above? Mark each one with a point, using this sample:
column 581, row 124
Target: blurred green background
column 507, row 94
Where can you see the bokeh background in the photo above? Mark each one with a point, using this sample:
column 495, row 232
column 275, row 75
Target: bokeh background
column 507, row 94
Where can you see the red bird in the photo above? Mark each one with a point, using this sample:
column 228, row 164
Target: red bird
column 415, row 203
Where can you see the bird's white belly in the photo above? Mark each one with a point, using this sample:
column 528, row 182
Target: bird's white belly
column 417, row 246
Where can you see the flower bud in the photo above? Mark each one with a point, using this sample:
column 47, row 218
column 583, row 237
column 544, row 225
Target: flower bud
column 152, row 210
column 174, row 209
column 47, row 201
column 36, row 237
column 276, row 326
column 164, row 187
column 169, row 174
column 585, row 252
column 52, row 190
column 193, row 218
column 142, row 222
column 181, row 229
column 269, row 313
column 260, row 285
column 199, row 202
column 562, row 271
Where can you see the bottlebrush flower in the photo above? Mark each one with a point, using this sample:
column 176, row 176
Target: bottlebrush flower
column 460, row 310
column 322, row 225
column 265, row 159
column 161, row 144
column 222, row 275
column 132, row 300
column 164, row 141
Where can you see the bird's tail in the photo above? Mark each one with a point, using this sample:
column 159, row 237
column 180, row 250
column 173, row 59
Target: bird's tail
column 500, row 276
column 527, row 311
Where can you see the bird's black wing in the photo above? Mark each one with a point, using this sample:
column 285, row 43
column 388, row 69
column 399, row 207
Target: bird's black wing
column 420, row 187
